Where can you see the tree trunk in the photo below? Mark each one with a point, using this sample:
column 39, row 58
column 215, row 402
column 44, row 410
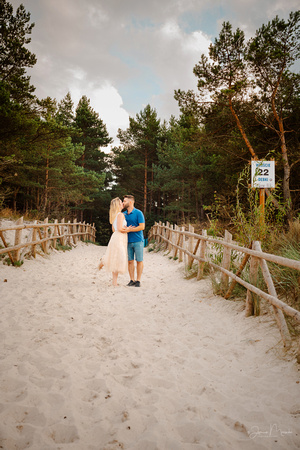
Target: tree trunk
column 145, row 182
column 15, row 200
column 182, row 201
column 242, row 131
column 197, row 203
column 286, row 166
column 151, row 193
column 250, row 148
column 46, row 186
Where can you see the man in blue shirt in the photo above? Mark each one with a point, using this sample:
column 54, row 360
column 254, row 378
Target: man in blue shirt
column 136, row 224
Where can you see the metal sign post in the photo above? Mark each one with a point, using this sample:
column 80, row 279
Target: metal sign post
column 262, row 197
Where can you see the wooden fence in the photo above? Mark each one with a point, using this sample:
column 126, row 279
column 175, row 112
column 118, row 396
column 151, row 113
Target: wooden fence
column 44, row 234
column 181, row 242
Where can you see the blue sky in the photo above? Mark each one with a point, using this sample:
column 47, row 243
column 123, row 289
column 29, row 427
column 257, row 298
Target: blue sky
column 124, row 55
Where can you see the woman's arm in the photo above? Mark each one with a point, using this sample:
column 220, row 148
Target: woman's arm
column 120, row 223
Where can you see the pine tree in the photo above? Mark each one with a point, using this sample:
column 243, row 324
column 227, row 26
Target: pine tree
column 65, row 114
column 15, row 58
column 137, row 153
column 93, row 136
column 271, row 55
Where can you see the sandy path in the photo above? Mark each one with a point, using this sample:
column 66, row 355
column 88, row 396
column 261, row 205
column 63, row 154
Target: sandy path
column 168, row 366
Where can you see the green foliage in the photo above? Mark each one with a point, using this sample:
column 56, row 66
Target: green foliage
column 270, row 56
column 15, row 58
column 8, row 262
column 133, row 160
column 93, row 135
column 63, row 247
column 64, row 114
column 226, row 82
column 50, row 157
column 250, row 223
column 52, row 160
column 286, row 280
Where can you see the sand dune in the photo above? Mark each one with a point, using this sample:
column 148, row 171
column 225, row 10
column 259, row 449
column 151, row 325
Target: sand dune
column 168, row 366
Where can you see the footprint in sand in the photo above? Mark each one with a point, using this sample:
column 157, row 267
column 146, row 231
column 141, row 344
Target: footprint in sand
column 63, row 434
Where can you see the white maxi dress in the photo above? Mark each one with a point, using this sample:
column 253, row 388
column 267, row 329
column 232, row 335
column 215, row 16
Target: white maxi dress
column 115, row 258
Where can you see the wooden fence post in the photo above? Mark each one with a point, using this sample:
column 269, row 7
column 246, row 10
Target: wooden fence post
column 202, row 255
column 79, row 230
column 94, row 232
column 167, row 233
column 56, row 232
column 62, row 233
column 176, row 238
column 226, row 262
column 69, row 232
column 170, row 237
column 86, row 231
column 82, row 230
column 34, row 235
column 184, row 245
column 5, row 245
column 239, row 271
column 181, row 244
column 46, row 243
column 190, row 246
column 279, row 316
column 252, row 300
column 74, row 231
column 159, row 232
column 18, row 240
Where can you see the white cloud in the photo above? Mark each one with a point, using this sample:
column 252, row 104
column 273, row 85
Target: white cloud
column 124, row 55
column 171, row 29
column 107, row 102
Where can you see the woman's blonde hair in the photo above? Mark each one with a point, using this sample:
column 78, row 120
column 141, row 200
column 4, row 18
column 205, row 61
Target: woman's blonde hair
column 114, row 209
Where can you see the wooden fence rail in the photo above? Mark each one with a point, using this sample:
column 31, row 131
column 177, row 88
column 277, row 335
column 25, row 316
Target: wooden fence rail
column 182, row 242
column 44, row 234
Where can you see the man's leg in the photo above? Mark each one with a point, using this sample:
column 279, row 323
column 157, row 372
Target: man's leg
column 139, row 250
column 139, row 269
column 131, row 269
column 130, row 262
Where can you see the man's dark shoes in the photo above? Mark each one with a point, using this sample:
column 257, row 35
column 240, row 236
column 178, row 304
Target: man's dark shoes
column 137, row 284
column 131, row 283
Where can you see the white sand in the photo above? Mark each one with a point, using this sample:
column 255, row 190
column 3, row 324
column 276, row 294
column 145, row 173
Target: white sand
column 168, row 366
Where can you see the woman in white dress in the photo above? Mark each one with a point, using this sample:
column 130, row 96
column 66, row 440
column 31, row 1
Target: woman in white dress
column 115, row 259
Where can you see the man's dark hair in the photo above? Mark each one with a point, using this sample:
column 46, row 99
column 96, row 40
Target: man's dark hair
column 130, row 197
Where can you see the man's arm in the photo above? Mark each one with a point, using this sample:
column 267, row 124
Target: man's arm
column 139, row 228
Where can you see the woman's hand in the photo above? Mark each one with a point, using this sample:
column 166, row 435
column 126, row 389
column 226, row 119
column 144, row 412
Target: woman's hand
column 126, row 229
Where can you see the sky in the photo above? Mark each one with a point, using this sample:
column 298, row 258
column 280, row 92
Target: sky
column 126, row 54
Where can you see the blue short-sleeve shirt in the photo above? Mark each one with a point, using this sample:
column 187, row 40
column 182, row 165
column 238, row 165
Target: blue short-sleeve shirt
column 135, row 218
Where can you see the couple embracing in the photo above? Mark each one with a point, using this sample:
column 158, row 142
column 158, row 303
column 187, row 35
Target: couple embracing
column 127, row 241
